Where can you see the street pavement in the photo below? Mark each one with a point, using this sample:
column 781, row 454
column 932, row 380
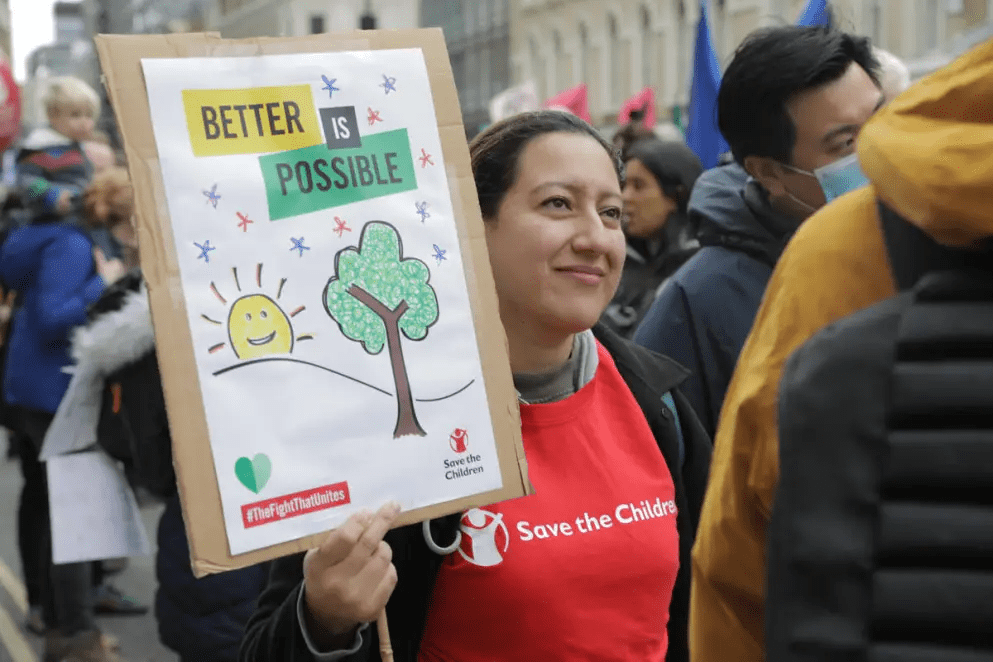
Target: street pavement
column 138, row 634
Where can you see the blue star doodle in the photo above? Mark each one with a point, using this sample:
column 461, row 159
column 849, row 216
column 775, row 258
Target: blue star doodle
column 422, row 209
column 212, row 196
column 329, row 86
column 298, row 245
column 388, row 84
column 439, row 254
column 205, row 249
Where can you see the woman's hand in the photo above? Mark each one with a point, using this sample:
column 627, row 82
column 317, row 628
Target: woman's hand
column 110, row 270
column 349, row 579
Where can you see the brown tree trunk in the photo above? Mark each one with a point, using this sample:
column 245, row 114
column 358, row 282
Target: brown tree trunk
column 407, row 423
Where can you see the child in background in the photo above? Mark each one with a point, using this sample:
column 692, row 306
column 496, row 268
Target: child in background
column 59, row 264
column 53, row 169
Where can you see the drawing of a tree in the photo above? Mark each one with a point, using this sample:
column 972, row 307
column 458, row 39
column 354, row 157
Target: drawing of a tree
column 375, row 295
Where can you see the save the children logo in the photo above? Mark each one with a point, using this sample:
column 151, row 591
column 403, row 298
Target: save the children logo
column 459, row 440
column 485, row 537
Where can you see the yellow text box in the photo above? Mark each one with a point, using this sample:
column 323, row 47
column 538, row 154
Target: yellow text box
column 251, row 120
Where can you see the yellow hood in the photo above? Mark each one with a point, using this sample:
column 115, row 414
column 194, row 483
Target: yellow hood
column 929, row 153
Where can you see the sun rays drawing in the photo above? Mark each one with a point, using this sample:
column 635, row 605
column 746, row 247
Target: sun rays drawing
column 256, row 324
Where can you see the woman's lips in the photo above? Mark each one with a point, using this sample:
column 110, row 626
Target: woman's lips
column 585, row 275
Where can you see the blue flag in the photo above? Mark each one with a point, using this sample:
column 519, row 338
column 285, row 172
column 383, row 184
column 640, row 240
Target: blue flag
column 703, row 136
column 815, row 14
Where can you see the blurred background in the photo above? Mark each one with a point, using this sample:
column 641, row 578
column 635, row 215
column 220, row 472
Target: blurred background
column 588, row 55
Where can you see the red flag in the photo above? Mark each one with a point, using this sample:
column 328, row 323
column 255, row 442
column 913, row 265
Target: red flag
column 574, row 100
column 10, row 105
column 644, row 100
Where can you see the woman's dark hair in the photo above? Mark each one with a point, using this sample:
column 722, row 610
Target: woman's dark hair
column 772, row 66
column 631, row 133
column 673, row 164
column 496, row 151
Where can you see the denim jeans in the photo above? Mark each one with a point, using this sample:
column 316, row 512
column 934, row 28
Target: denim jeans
column 65, row 589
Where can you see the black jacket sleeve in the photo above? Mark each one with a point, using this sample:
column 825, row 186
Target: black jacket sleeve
column 273, row 633
column 696, row 462
column 143, row 411
column 691, row 484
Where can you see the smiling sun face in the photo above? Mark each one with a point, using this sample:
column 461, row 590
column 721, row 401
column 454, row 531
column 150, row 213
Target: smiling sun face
column 258, row 327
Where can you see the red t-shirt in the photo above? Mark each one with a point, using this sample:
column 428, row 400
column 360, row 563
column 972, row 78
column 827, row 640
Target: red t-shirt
column 584, row 568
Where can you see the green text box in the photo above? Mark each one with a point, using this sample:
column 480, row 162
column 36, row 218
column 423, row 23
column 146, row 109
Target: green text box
column 310, row 179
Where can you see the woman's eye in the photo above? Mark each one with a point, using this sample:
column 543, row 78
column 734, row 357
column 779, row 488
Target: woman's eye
column 615, row 213
column 557, row 203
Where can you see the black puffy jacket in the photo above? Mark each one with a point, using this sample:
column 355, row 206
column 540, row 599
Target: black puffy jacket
column 880, row 544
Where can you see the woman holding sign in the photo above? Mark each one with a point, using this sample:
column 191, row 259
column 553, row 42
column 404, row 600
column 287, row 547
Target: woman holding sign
column 596, row 563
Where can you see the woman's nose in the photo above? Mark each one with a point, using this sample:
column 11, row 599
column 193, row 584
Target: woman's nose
column 593, row 234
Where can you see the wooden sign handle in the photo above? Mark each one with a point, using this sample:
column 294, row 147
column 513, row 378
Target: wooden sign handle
column 385, row 647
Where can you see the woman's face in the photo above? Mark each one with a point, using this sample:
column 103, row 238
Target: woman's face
column 556, row 245
column 646, row 206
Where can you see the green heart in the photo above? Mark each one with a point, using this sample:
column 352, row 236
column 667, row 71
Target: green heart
column 254, row 473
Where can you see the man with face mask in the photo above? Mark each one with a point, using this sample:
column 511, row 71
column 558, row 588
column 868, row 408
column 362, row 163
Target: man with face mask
column 790, row 105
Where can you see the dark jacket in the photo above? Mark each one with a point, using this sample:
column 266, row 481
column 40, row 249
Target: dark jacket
column 48, row 164
column 274, row 634
column 880, row 537
column 200, row 619
column 704, row 312
column 647, row 265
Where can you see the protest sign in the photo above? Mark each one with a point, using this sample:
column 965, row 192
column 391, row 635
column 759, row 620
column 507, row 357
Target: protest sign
column 96, row 517
column 325, row 314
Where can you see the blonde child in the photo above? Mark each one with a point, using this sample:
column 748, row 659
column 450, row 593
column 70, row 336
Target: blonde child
column 52, row 167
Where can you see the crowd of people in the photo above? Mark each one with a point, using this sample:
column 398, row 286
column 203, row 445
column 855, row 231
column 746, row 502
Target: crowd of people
column 777, row 351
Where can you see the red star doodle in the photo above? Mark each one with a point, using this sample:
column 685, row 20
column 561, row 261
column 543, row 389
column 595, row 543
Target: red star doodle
column 340, row 226
column 374, row 117
column 244, row 222
column 425, row 158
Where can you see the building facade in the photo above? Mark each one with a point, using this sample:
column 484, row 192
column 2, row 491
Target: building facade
column 294, row 18
column 67, row 55
column 617, row 48
column 477, row 33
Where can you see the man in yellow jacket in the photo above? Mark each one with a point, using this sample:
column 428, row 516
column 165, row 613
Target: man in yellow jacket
column 929, row 157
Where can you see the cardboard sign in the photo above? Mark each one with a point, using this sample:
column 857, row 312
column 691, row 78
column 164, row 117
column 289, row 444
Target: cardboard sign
column 325, row 315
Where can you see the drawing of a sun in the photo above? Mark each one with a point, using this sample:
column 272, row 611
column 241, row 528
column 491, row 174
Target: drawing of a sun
column 257, row 326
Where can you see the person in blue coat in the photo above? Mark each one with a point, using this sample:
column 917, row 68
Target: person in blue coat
column 704, row 312
column 790, row 105
column 58, row 273
column 200, row 619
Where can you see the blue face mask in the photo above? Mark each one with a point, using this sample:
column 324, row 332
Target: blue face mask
column 837, row 178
